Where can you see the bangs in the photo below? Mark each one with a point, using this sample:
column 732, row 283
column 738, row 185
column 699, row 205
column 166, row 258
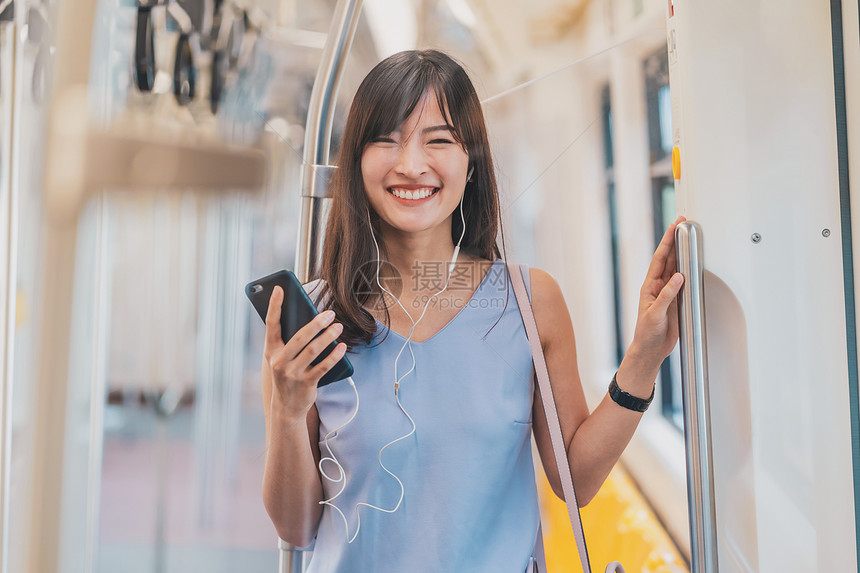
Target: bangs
column 394, row 89
column 392, row 107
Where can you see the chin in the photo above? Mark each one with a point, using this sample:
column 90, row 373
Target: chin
column 414, row 226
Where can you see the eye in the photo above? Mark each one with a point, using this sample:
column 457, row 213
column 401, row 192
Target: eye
column 382, row 139
column 441, row 141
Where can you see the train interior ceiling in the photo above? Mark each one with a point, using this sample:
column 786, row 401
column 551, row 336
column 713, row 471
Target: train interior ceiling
column 138, row 200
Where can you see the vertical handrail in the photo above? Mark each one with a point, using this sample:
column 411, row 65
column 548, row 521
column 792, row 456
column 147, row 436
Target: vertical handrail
column 316, row 174
column 291, row 560
column 9, row 196
column 697, row 421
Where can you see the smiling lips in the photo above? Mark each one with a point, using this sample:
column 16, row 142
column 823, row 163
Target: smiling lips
column 414, row 194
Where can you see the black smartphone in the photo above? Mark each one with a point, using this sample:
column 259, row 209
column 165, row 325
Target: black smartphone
column 296, row 311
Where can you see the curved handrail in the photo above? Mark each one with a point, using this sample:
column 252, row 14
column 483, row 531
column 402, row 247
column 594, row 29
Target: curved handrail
column 315, row 168
column 316, row 173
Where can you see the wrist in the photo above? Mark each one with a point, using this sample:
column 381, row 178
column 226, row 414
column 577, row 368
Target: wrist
column 636, row 375
column 641, row 358
column 285, row 416
column 627, row 400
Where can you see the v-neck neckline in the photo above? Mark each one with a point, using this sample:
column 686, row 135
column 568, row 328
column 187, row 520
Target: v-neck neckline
column 450, row 322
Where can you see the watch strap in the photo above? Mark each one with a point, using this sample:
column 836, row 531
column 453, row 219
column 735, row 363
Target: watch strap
column 626, row 400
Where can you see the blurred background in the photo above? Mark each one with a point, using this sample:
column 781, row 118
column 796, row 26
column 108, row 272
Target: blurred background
column 150, row 167
column 167, row 466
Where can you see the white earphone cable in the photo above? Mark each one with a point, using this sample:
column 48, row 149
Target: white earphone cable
column 331, row 457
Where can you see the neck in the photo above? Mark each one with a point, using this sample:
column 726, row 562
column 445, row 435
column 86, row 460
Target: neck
column 416, row 254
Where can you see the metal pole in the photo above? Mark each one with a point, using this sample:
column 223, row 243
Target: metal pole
column 697, row 422
column 291, row 559
column 316, row 175
column 9, row 196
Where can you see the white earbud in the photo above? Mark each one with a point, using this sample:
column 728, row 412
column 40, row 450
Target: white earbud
column 469, row 175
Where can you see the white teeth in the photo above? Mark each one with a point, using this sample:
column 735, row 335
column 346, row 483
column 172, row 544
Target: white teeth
column 417, row 194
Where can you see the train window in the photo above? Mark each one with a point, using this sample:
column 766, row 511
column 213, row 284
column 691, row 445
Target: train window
column 664, row 107
column 656, row 68
column 609, row 163
column 658, row 98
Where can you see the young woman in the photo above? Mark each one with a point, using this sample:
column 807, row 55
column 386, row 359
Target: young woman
column 433, row 472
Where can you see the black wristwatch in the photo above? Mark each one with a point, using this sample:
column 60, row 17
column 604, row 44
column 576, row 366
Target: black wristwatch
column 626, row 400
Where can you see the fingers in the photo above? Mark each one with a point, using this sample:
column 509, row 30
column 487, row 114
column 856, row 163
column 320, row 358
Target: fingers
column 315, row 347
column 664, row 253
column 672, row 262
column 671, row 265
column 274, row 339
column 292, row 363
column 668, row 294
column 658, row 261
column 273, row 320
column 328, row 362
column 305, row 334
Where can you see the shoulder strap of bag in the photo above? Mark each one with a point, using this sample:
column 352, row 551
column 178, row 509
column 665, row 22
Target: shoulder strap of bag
column 550, row 411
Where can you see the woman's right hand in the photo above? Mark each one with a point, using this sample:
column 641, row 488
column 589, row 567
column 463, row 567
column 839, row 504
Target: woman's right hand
column 294, row 380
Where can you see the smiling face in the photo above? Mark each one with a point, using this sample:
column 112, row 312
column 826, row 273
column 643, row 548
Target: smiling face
column 415, row 176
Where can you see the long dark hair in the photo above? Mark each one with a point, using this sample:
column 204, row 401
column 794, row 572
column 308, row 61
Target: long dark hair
column 385, row 98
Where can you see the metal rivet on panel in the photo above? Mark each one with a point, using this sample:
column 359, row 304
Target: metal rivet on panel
column 825, row 233
column 756, row 238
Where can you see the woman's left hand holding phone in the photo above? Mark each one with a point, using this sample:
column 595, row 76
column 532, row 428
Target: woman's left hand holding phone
column 294, row 380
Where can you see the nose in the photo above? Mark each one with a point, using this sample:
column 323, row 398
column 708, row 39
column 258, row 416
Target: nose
column 411, row 159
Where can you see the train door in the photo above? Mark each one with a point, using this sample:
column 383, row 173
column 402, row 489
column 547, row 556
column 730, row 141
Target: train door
column 762, row 140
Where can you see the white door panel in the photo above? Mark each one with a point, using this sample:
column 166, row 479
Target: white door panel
column 753, row 110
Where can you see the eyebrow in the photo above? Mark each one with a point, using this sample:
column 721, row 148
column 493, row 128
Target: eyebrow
column 427, row 130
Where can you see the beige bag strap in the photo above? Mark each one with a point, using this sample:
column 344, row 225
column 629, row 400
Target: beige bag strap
column 552, row 418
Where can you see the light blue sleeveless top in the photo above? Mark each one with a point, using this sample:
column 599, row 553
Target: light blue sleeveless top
column 470, row 502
